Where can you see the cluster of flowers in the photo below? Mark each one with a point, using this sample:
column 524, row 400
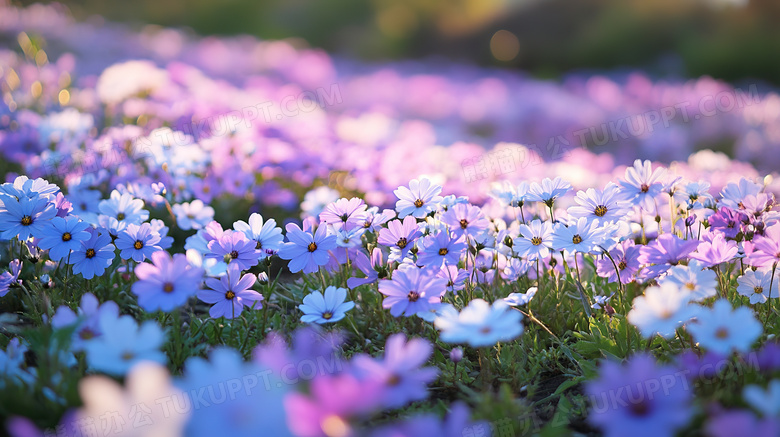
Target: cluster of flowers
column 292, row 115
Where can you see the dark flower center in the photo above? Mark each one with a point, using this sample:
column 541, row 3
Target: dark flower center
column 327, row 315
column 758, row 290
column 600, row 210
column 27, row 220
column 464, row 224
column 229, row 295
column 413, row 296
column 90, row 253
column 138, row 245
column 576, row 239
column 645, row 188
column 622, row 265
column 485, row 330
column 168, row 287
column 536, row 241
column 344, row 217
column 639, row 408
column 402, row 242
column 234, row 254
column 443, row 251
column 259, row 245
column 393, row 380
column 127, row 356
column 418, row 203
column 367, row 224
column 312, row 247
column 86, row 334
column 66, row 236
column 120, row 216
column 722, row 333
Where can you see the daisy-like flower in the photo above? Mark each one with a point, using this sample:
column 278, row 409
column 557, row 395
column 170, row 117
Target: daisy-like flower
column 343, row 212
column 63, row 235
column 535, row 240
column 626, row 257
column 400, row 370
column 465, row 220
column 602, row 206
column 371, row 268
column 727, row 221
column 267, row 235
column 520, row 299
column 305, row 251
column 123, row 344
column 94, row 255
column 440, row 249
column 167, row 282
column 660, row 311
column 456, row 278
column 328, row 307
column 418, row 199
column 315, row 201
column 766, row 401
column 193, row 215
column 349, row 237
column 694, row 280
column 733, row 194
column 234, row 247
column 715, row 249
column 138, row 242
column 756, row 285
column 723, row 329
column 231, row 293
column 411, row 290
column 24, row 217
column 480, row 324
column 642, row 184
column 665, row 251
column 124, row 208
column 375, row 219
column 400, row 236
column 623, row 402
column 86, row 318
column 548, row 191
column 766, row 248
column 581, row 235
column 695, row 194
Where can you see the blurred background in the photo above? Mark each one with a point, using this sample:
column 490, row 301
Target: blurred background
column 732, row 40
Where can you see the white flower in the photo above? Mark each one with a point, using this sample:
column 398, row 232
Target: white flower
column 766, row 401
column 480, row 324
column 327, row 308
column 660, row 311
column 723, row 329
column 696, row 282
column 268, row 235
column 316, row 200
column 418, row 199
column 755, row 285
column 129, row 79
column 193, row 215
column 143, row 409
column 520, row 299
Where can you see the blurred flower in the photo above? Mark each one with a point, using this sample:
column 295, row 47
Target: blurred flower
column 480, row 324
column 722, row 329
column 123, row 344
column 193, row 215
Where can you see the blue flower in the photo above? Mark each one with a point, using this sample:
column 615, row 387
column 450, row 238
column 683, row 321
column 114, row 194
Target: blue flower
column 325, row 308
column 94, row 255
column 62, row 235
column 138, row 242
column 305, row 251
column 123, row 344
column 24, row 217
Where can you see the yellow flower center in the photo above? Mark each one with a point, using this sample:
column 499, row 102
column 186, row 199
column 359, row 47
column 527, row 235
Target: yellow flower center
column 138, row 245
column 168, row 287
column 90, row 253
column 66, row 236
column 758, row 290
column 443, row 251
column 413, row 296
column 576, row 239
column 230, row 295
column 27, row 220
column 418, row 203
column 402, row 242
column 600, row 210
column 312, row 247
column 536, row 241
column 327, row 315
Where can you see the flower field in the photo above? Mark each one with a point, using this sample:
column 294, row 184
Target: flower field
column 208, row 236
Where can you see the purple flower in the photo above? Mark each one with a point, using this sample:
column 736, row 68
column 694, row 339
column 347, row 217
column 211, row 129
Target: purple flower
column 715, row 249
column 400, row 235
column 465, row 220
column 166, row 283
column 86, row 319
column 456, row 278
column 369, row 268
column 234, row 247
column 308, row 345
column 400, row 372
column 629, row 400
column 138, row 242
column 332, row 401
column 456, row 423
column 727, row 221
column 742, row 422
column 626, row 257
column 411, row 291
column 345, row 212
column 665, row 251
column 305, row 251
column 766, row 248
column 438, row 250
column 24, row 217
column 231, row 293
